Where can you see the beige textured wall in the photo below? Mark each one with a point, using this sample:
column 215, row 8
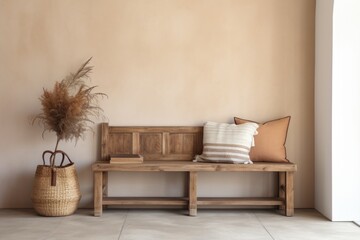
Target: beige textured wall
column 180, row 62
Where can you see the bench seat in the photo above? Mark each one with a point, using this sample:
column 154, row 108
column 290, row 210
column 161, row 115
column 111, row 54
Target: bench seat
column 284, row 199
column 187, row 166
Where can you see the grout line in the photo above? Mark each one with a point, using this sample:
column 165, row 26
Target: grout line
column 122, row 227
column 263, row 226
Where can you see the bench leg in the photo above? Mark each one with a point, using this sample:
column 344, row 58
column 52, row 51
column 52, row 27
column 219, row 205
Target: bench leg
column 282, row 190
column 289, row 206
column 105, row 186
column 192, row 193
column 98, row 193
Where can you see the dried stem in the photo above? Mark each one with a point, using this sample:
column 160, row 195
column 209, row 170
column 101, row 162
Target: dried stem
column 53, row 156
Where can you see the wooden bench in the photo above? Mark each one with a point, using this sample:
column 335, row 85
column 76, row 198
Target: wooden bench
column 172, row 149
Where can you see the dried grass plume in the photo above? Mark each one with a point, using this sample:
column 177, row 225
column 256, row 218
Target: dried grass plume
column 70, row 107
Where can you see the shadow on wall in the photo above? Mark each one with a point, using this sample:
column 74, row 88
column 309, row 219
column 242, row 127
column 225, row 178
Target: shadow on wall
column 85, row 178
column 17, row 191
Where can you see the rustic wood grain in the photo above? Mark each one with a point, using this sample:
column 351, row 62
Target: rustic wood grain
column 120, row 143
column 166, row 143
column 98, row 194
column 154, row 143
column 135, row 143
column 144, row 201
column 265, row 201
column 281, row 189
column 187, row 166
column 289, row 207
column 104, row 142
column 192, row 193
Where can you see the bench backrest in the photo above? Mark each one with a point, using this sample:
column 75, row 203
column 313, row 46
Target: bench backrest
column 153, row 143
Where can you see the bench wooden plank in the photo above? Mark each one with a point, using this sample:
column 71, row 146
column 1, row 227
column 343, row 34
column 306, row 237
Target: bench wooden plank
column 180, row 166
column 143, row 201
column 201, row 201
column 147, row 129
column 261, row 201
column 104, row 142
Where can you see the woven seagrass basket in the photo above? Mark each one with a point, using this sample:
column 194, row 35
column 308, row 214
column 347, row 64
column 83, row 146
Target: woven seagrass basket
column 56, row 190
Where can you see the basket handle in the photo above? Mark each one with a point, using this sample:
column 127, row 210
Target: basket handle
column 53, row 157
column 52, row 162
column 63, row 157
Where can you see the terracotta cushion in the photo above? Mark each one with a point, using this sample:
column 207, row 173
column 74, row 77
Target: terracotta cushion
column 270, row 141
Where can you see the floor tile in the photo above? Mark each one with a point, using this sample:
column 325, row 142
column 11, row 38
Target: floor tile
column 209, row 224
column 307, row 224
column 84, row 225
column 26, row 225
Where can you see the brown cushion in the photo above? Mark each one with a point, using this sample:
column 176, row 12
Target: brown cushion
column 270, row 141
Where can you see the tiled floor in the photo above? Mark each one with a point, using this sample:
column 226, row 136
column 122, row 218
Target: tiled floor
column 174, row 224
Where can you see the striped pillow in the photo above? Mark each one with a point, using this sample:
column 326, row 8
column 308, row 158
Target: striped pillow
column 227, row 142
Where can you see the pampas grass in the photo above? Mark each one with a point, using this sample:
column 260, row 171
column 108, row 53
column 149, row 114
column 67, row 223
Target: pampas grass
column 69, row 108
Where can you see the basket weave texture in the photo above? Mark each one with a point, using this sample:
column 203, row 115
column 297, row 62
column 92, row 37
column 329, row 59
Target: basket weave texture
column 61, row 199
